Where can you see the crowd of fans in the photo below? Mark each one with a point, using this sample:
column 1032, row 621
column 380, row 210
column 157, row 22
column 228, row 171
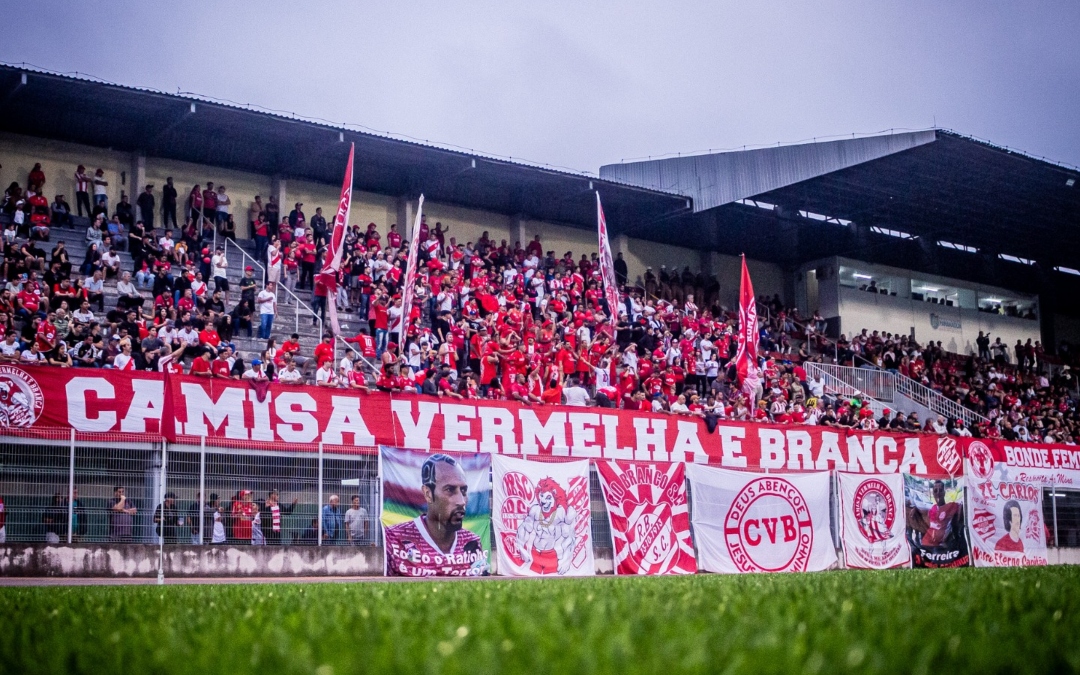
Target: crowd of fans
column 488, row 320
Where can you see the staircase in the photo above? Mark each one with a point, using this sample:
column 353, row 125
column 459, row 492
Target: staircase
column 899, row 392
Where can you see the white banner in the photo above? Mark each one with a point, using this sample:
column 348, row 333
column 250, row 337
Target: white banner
column 1005, row 513
column 541, row 515
column 872, row 520
column 747, row 522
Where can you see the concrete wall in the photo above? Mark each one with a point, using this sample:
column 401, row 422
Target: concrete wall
column 956, row 328
column 140, row 560
column 18, row 154
column 98, row 560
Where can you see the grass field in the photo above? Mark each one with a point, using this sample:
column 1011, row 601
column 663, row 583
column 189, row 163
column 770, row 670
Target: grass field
column 905, row 621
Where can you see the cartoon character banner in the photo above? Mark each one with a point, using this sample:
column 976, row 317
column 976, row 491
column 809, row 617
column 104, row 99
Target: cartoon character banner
column 649, row 517
column 935, row 522
column 542, row 515
column 872, row 521
column 436, row 513
column 1005, row 517
column 747, row 522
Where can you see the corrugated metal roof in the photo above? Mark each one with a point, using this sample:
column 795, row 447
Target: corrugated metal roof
column 722, row 178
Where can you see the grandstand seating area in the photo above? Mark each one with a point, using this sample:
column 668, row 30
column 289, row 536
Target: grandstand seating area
column 489, row 320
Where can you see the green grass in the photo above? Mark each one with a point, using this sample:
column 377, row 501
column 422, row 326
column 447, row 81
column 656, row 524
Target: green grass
column 944, row 621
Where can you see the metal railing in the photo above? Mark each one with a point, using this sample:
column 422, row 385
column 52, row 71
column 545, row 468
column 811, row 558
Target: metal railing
column 885, row 385
column 299, row 305
column 841, row 387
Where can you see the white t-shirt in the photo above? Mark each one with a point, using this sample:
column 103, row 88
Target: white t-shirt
column 219, row 529
column 267, row 302
column 354, row 522
column 576, row 396
column 12, row 349
column 324, row 375
column 220, row 265
column 290, row 376
column 224, row 204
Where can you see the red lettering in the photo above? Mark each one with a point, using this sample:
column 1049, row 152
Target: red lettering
column 753, row 540
column 770, row 528
column 789, row 528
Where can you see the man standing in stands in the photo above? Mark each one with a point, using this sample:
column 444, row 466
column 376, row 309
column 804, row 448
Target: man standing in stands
column 82, row 190
column 121, row 517
column 168, row 204
column 146, row 203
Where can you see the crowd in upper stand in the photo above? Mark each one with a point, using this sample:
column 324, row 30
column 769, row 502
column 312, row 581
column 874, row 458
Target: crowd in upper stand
column 488, row 320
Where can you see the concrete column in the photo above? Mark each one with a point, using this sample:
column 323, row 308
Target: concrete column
column 277, row 189
column 406, row 213
column 136, row 179
column 519, row 230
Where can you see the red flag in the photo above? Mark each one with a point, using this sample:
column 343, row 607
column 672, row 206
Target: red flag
column 328, row 275
column 607, row 265
column 410, row 275
column 746, row 358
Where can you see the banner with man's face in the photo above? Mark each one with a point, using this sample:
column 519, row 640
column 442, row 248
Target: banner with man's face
column 872, row 520
column 541, row 513
column 934, row 511
column 436, row 512
column 751, row 522
column 1005, row 514
column 649, row 517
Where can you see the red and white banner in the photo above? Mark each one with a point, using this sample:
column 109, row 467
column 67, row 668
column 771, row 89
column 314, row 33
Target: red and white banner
column 1004, row 512
column 746, row 358
column 232, row 410
column 328, row 275
column 745, row 522
column 649, row 518
column 872, row 521
column 607, row 265
column 408, row 287
column 541, row 517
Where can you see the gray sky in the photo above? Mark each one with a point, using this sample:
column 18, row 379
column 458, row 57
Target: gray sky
column 583, row 84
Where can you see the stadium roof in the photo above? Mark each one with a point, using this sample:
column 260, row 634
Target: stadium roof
column 932, row 200
column 127, row 119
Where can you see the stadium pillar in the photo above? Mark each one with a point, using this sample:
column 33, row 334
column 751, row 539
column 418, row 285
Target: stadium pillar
column 277, row 188
column 518, row 231
column 406, row 212
column 138, row 176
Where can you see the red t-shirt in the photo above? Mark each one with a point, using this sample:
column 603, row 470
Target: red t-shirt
column 200, row 365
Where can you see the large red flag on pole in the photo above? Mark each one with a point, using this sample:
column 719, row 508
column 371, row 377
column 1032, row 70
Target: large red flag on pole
column 746, row 358
column 328, row 275
column 410, row 275
column 607, row 266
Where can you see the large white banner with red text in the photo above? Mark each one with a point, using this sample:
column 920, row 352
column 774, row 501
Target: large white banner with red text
column 872, row 520
column 1005, row 512
column 649, row 517
column 541, row 515
column 745, row 522
column 187, row 409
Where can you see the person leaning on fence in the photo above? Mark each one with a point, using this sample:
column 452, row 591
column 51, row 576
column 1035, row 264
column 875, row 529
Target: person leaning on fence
column 167, row 519
column 332, row 522
column 54, row 518
column 356, row 522
column 273, row 525
column 121, row 517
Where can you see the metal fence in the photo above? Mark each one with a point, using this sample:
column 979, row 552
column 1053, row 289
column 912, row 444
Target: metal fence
column 67, row 490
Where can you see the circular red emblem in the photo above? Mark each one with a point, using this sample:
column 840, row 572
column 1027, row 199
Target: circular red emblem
column 768, row 528
column 875, row 510
column 21, row 400
column 980, row 459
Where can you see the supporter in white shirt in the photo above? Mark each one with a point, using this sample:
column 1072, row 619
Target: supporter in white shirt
column 10, row 349
column 817, row 386
column 220, row 265
column 290, row 375
column 576, row 395
column 324, row 376
column 345, row 365
column 254, row 371
column 32, row 355
column 166, row 241
column 188, row 335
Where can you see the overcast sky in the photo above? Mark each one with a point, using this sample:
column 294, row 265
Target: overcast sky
column 581, row 84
